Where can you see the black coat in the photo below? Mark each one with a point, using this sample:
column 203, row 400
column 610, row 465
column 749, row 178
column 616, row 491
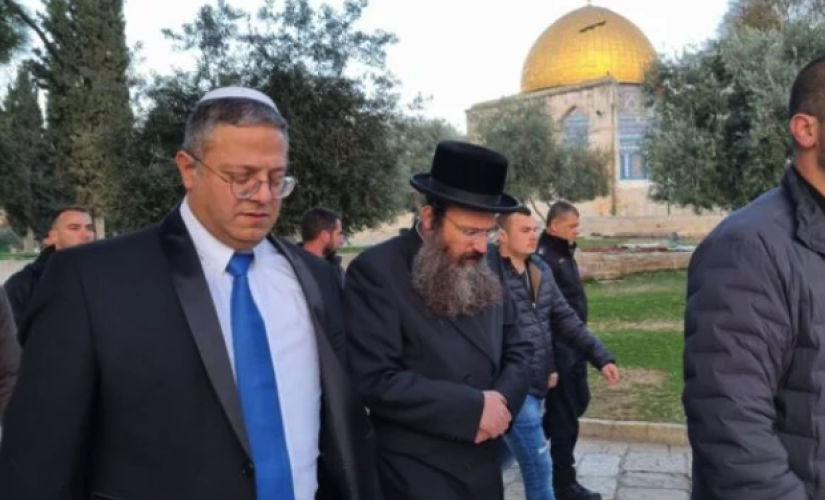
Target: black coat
column 126, row 391
column 21, row 285
column 559, row 254
column 9, row 353
column 755, row 351
column 544, row 316
column 422, row 379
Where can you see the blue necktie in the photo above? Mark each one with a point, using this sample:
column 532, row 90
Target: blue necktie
column 258, row 388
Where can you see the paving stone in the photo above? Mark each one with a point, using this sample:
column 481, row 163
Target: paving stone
column 511, row 476
column 649, row 448
column 604, row 485
column 669, row 463
column 624, row 471
column 599, row 464
column 654, row 480
column 598, row 446
column 514, row 492
column 651, row 494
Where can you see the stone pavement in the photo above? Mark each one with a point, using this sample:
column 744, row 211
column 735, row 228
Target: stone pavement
column 624, row 471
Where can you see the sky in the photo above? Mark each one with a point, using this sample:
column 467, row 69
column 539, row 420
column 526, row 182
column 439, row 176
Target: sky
column 456, row 52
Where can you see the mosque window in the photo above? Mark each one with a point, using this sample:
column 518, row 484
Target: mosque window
column 576, row 127
column 631, row 132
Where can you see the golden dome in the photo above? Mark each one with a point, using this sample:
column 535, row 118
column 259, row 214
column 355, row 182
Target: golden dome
column 586, row 44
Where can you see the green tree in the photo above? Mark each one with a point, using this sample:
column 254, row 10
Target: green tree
column 12, row 32
column 415, row 139
column 330, row 82
column 765, row 15
column 543, row 168
column 29, row 192
column 719, row 137
column 83, row 69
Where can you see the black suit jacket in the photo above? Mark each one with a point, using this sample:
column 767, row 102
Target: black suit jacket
column 126, row 390
column 422, row 378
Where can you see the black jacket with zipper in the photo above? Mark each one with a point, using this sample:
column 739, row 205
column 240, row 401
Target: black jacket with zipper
column 542, row 314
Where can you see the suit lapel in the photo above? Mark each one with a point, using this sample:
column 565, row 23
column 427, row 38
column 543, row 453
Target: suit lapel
column 339, row 400
column 199, row 310
column 471, row 328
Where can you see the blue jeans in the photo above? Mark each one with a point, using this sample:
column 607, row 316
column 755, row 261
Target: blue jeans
column 526, row 443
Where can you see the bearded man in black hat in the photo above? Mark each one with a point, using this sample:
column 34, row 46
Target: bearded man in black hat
column 435, row 350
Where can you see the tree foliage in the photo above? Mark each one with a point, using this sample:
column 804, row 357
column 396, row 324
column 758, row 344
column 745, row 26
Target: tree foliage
column 12, row 32
column 83, row 69
column 415, row 139
column 719, row 137
column 543, row 166
column 329, row 80
column 765, row 15
column 29, row 191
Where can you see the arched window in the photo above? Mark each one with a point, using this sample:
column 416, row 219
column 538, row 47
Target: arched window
column 576, row 126
column 631, row 131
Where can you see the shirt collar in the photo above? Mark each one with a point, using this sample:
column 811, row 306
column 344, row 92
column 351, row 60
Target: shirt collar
column 209, row 248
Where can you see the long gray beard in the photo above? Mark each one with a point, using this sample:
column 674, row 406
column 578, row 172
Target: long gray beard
column 451, row 289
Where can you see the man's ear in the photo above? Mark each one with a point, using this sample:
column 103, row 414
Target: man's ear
column 805, row 130
column 426, row 216
column 187, row 168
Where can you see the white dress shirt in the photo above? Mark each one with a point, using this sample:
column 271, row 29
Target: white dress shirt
column 289, row 329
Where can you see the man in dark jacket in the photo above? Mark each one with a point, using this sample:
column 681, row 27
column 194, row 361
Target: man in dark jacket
column 543, row 315
column 754, row 330
column 322, row 234
column 434, row 349
column 71, row 226
column 9, row 352
column 568, row 401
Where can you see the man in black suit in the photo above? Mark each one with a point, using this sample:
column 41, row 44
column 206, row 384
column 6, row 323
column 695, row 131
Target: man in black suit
column 434, row 347
column 197, row 358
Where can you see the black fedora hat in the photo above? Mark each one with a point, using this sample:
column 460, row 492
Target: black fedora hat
column 469, row 176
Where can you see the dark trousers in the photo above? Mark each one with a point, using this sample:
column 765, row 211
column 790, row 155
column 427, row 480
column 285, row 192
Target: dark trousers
column 565, row 404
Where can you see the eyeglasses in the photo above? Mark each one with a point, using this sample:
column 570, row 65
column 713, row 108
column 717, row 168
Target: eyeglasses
column 473, row 233
column 246, row 188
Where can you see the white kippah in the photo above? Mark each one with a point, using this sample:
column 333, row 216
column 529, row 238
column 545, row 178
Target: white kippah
column 238, row 93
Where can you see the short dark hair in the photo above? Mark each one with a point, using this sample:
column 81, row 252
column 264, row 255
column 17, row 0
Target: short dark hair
column 68, row 208
column 560, row 209
column 230, row 111
column 317, row 220
column 808, row 90
column 503, row 219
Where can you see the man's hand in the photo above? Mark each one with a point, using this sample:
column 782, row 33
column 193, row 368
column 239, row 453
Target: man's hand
column 481, row 436
column 611, row 374
column 495, row 418
column 553, row 381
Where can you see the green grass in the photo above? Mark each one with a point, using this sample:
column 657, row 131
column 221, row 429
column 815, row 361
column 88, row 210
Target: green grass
column 651, row 362
column 353, row 249
column 638, row 298
column 17, row 256
column 639, row 319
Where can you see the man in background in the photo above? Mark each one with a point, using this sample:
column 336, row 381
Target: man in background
column 568, row 401
column 543, row 316
column 9, row 352
column 323, row 234
column 71, row 226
